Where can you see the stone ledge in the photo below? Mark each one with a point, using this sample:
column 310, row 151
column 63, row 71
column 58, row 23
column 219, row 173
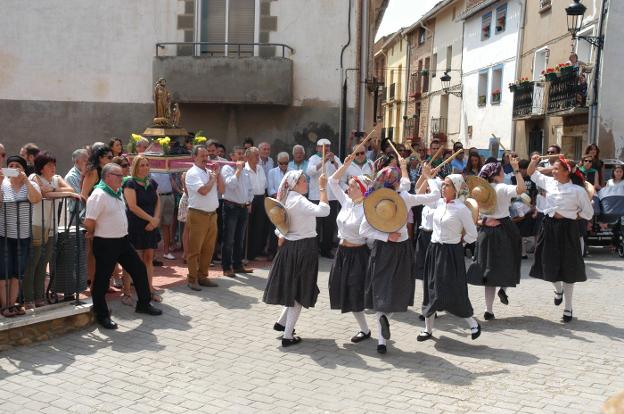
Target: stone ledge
column 44, row 323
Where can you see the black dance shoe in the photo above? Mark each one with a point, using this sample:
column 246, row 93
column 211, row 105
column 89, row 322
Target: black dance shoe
column 381, row 349
column 360, row 336
column 385, row 327
column 107, row 323
column 148, row 310
column 423, row 336
column 488, row 316
column 502, row 295
column 278, row 327
column 289, row 342
column 421, row 317
column 567, row 316
column 558, row 298
column 476, row 334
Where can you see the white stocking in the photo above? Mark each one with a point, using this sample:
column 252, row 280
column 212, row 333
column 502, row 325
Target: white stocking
column 282, row 318
column 558, row 287
column 361, row 320
column 429, row 323
column 291, row 320
column 568, row 289
column 490, row 293
column 472, row 322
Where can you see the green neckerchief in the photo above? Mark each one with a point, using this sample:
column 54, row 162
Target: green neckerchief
column 145, row 181
column 103, row 186
column 362, row 163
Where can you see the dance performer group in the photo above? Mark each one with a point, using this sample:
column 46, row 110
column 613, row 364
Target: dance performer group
column 382, row 278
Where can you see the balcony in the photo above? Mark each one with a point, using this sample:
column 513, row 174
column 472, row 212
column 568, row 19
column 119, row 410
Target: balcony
column 226, row 73
column 438, row 128
column 529, row 101
column 566, row 94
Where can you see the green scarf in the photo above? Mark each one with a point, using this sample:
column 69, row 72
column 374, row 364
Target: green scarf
column 103, row 186
column 360, row 163
column 145, row 181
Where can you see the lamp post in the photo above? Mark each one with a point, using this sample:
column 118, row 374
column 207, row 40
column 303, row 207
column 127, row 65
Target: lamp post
column 446, row 85
column 575, row 13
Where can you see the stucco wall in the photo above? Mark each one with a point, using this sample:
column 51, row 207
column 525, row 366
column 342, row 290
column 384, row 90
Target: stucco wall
column 611, row 122
column 499, row 49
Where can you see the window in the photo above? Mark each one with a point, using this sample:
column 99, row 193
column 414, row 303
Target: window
column 544, row 5
column 425, row 74
column 228, row 21
column 497, row 85
column 540, row 61
column 483, row 86
column 399, row 85
column 449, row 58
column 501, row 18
column 434, row 64
column 584, row 49
column 422, row 34
column 486, row 22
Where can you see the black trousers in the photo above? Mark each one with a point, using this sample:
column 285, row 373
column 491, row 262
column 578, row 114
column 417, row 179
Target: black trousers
column 218, row 243
column 107, row 253
column 258, row 228
column 326, row 227
column 233, row 244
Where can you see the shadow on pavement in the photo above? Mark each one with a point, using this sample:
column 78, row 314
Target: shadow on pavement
column 463, row 349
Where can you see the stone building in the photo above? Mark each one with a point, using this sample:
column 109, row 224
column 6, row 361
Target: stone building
column 78, row 71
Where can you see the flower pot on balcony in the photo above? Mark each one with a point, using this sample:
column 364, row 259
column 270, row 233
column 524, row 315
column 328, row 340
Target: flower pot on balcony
column 482, row 100
column 496, row 98
column 513, row 87
column 567, row 71
column 551, row 76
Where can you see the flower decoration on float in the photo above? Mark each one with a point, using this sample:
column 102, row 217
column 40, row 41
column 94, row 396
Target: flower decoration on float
column 165, row 144
column 199, row 139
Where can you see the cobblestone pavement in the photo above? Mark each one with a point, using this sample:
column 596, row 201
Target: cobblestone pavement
column 215, row 351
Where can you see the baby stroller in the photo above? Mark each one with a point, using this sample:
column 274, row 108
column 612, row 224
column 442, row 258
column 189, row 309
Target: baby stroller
column 606, row 228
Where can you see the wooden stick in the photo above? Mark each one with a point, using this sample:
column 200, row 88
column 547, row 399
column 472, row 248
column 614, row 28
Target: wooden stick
column 362, row 143
column 395, row 150
column 323, row 162
column 552, row 155
column 417, row 155
column 451, row 158
column 435, row 156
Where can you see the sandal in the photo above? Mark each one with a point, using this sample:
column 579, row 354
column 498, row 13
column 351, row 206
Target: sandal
column 8, row 312
column 156, row 297
column 29, row 305
column 127, row 300
column 19, row 310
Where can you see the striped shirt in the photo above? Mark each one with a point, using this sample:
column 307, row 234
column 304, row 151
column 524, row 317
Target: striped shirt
column 11, row 210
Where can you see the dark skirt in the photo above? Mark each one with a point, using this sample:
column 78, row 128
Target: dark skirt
column 142, row 239
column 422, row 244
column 444, row 283
column 558, row 255
column 293, row 274
column 347, row 277
column 526, row 226
column 497, row 256
column 389, row 277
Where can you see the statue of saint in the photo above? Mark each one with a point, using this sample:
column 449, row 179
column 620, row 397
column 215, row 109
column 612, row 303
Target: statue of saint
column 176, row 115
column 161, row 100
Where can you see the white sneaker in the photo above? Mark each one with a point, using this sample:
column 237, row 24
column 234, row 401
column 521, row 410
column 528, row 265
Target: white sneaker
column 169, row 256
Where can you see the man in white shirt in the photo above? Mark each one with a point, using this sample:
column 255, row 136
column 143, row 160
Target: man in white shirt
column 326, row 227
column 275, row 178
column 212, row 146
column 106, row 222
column 202, row 186
column 265, row 157
column 360, row 166
column 258, row 227
column 237, row 198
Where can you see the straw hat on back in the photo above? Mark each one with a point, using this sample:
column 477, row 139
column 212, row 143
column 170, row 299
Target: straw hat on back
column 277, row 214
column 482, row 192
column 385, row 210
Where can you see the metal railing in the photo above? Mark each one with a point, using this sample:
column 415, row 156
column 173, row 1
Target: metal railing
column 566, row 93
column 438, row 126
column 236, row 49
column 51, row 230
column 529, row 101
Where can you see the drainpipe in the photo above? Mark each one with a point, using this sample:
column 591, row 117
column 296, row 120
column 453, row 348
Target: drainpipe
column 593, row 120
column 364, row 31
column 408, row 76
column 518, row 63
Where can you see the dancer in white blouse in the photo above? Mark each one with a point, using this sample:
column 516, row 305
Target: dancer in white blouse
column 390, row 278
column 293, row 275
column 348, row 272
column 499, row 245
column 558, row 254
column 445, row 286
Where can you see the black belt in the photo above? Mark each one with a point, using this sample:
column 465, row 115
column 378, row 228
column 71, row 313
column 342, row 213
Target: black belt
column 165, row 194
column 231, row 203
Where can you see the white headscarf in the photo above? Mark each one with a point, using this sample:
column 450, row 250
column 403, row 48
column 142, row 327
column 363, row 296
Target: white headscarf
column 461, row 188
column 288, row 183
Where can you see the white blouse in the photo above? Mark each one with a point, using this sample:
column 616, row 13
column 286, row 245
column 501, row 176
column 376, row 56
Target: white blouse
column 569, row 200
column 350, row 216
column 301, row 216
column 450, row 220
column 411, row 200
column 504, row 194
column 426, row 222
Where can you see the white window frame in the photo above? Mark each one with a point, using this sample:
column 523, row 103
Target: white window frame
column 198, row 25
column 537, row 74
column 588, row 31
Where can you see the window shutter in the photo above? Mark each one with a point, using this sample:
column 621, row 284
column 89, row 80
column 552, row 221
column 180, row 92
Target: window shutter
column 242, row 25
column 213, row 30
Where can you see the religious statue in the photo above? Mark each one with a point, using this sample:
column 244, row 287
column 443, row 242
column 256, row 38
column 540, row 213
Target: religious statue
column 162, row 100
column 176, row 115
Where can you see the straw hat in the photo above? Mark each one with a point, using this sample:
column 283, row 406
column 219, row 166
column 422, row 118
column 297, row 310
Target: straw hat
column 473, row 206
column 385, row 210
column 482, row 192
column 526, row 199
column 277, row 214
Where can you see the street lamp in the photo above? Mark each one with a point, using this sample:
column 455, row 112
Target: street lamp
column 446, row 85
column 576, row 12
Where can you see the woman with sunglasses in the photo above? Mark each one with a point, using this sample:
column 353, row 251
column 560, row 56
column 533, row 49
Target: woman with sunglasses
column 592, row 151
column 590, row 173
column 558, row 253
